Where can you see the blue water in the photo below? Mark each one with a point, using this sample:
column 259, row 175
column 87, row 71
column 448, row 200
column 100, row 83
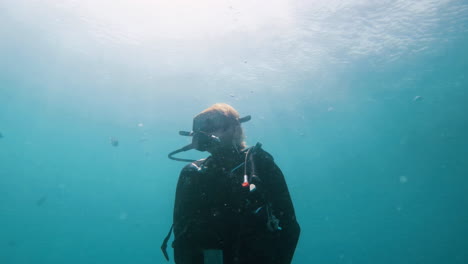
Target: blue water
column 363, row 104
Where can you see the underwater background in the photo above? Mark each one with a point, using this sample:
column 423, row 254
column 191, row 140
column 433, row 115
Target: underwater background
column 362, row 103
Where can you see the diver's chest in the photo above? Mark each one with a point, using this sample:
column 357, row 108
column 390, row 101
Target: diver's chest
column 223, row 190
column 218, row 185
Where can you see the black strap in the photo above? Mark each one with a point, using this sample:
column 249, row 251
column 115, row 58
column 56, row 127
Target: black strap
column 164, row 244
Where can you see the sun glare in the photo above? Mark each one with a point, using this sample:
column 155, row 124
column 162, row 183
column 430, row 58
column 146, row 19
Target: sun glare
column 185, row 19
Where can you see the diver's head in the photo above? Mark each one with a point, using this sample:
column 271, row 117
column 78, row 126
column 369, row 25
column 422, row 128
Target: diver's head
column 218, row 128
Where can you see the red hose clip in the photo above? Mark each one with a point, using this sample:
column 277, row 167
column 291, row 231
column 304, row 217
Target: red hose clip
column 246, row 181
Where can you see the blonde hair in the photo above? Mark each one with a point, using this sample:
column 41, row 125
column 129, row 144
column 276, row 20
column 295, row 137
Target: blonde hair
column 230, row 117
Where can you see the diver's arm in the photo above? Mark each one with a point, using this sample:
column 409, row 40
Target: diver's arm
column 278, row 194
column 284, row 211
column 185, row 250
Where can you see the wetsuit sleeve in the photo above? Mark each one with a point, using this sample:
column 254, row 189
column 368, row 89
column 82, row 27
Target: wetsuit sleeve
column 277, row 194
column 185, row 208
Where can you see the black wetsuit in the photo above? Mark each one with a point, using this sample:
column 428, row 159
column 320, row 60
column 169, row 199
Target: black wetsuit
column 214, row 211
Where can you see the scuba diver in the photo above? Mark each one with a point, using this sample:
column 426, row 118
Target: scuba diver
column 234, row 206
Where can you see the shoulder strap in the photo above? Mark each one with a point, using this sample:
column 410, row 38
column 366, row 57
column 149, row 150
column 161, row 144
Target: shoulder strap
column 249, row 158
column 164, row 244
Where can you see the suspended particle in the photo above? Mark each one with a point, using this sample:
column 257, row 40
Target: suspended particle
column 114, row 142
column 41, row 200
column 417, row 98
column 123, row 216
column 403, row 179
column 12, row 243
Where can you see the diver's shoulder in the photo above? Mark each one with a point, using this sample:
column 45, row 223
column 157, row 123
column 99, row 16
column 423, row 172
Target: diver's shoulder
column 261, row 153
column 194, row 166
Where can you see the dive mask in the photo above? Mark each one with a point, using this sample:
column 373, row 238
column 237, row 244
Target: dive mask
column 202, row 137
